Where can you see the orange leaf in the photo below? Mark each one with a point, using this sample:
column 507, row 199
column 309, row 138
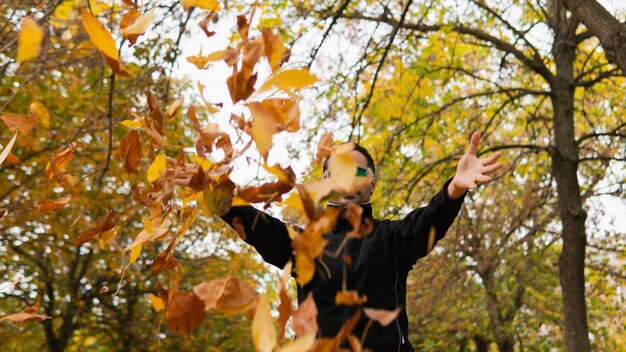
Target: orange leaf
column 203, row 4
column 127, row 20
column 228, row 295
column 263, row 330
column 55, row 204
column 349, row 298
column 185, row 312
column 342, row 167
column 60, row 161
column 130, row 150
column 94, row 231
column 275, row 50
column 19, row 122
column 305, row 317
column 102, row 39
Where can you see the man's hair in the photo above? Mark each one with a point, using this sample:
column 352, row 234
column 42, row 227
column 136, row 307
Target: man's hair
column 366, row 154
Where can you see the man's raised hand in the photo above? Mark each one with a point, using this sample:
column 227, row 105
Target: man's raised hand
column 471, row 170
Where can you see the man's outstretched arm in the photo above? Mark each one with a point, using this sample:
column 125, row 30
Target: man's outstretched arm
column 265, row 233
column 418, row 232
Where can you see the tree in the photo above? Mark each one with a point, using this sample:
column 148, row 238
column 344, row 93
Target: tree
column 477, row 57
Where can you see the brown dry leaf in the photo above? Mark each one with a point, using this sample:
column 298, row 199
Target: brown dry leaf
column 240, row 83
column 156, row 116
column 130, row 150
column 285, row 310
column 27, row 314
column 355, row 343
column 382, row 316
column 275, row 50
column 349, row 298
column 129, row 3
column 90, row 234
column 270, row 117
column 305, row 317
column 204, row 24
column 174, row 108
column 346, row 329
column 185, row 312
column 231, row 56
column 360, row 227
column 139, row 24
column 127, row 20
column 310, row 244
column 19, row 123
column 55, row 204
column 165, row 260
column 60, row 161
column 266, row 193
column 228, row 295
column 263, row 330
column 324, row 147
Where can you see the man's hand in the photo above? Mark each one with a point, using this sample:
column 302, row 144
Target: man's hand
column 472, row 171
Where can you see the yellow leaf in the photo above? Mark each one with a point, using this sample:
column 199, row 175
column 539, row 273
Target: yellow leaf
column 107, row 236
column 40, row 112
column 201, row 61
column 147, row 225
column 141, row 24
column 342, row 169
column 7, row 149
column 134, row 253
column 156, row 169
column 301, row 344
column 212, row 5
column 29, row 41
column 263, row 329
column 130, row 123
column 204, row 163
column 157, row 303
column 100, row 36
column 287, row 80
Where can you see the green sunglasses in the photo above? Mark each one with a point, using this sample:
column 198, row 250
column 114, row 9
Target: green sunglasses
column 359, row 172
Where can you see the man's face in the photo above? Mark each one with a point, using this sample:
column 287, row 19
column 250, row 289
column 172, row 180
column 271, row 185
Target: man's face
column 363, row 190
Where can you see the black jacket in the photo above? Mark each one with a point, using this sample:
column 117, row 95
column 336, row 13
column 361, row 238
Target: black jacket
column 380, row 263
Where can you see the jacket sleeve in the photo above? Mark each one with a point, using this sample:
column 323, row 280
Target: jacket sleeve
column 265, row 233
column 411, row 234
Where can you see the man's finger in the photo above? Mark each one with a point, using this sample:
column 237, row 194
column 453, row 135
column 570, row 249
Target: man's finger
column 484, row 179
column 473, row 147
column 489, row 169
column 491, row 158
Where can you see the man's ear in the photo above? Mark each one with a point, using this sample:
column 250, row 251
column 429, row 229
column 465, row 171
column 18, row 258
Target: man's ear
column 373, row 185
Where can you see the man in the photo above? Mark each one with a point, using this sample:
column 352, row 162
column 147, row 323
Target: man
column 381, row 261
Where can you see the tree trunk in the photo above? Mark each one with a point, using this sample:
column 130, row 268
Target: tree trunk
column 610, row 31
column 571, row 212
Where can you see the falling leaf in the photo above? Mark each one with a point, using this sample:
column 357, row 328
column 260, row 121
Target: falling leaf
column 285, row 175
column 300, row 344
column 275, row 50
column 55, row 204
column 263, row 330
column 431, row 238
column 290, row 80
column 134, row 254
column 27, row 314
column 60, row 161
column 173, row 109
column 157, row 303
column 218, row 197
column 270, row 117
column 102, row 39
column 305, row 318
column 382, row 316
column 153, row 230
column 130, row 150
column 212, row 5
column 185, row 312
column 204, row 24
column 29, row 41
column 156, row 169
column 349, row 298
column 228, row 295
column 91, row 233
column 39, row 111
column 19, row 123
column 360, row 227
column 165, row 260
column 266, row 193
column 131, row 123
column 201, row 61
column 243, row 27
column 127, row 20
column 140, row 24
column 7, row 149
column 324, row 147
column 342, row 167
